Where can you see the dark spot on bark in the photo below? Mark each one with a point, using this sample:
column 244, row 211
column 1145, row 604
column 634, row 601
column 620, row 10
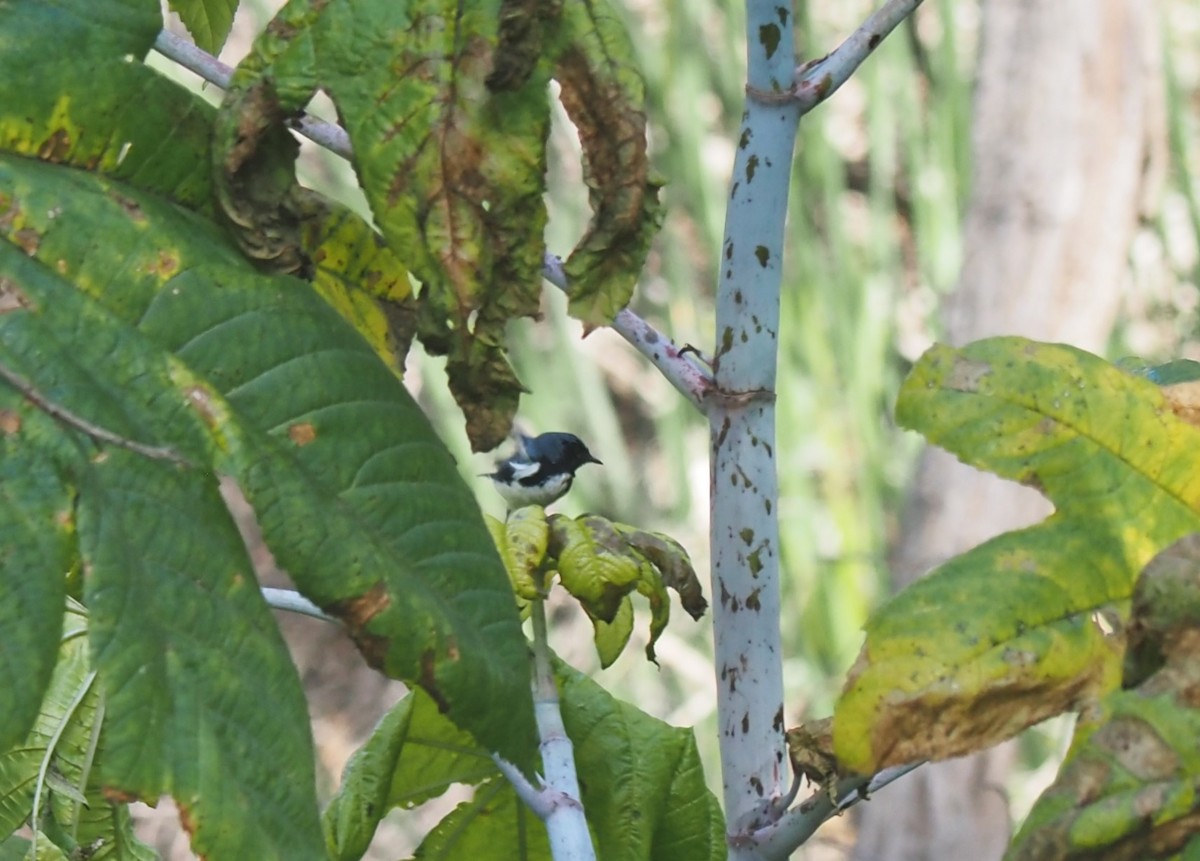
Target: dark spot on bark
column 874, row 41
column 725, row 598
column 752, row 602
column 652, row 337
column 763, row 254
column 782, row 13
column 769, row 37
column 757, row 784
column 778, row 722
column 745, row 729
column 729, row 250
column 747, row 535
column 737, row 297
column 751, row 167
column 744, row 140
column 754, row 560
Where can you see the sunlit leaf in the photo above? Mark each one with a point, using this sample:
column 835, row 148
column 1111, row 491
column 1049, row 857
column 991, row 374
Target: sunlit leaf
column 1003, row 636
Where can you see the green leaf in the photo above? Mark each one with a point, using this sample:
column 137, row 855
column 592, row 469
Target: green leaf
column 1002, row 637
column 85, row 98
column 592, row 563
column 413, row 755
column 643, row 786
column 611, row 637
column 209, row 21
column 605, row 97
column 493, row 824
column 1128, row 787
column 37, row 537
column 203, row 701
column 522, row 541
column 354, row 493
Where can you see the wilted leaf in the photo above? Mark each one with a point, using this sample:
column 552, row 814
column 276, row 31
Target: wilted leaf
column 1002, row 637
column 673, row 564
column 452, row 160
column 604, row 95
column 810, row 749
column 1129, row 786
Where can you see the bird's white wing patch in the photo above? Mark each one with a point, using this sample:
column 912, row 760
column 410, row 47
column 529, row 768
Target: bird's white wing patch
column 525, row 470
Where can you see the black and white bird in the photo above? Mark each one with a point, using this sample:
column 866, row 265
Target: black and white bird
column 542, row 469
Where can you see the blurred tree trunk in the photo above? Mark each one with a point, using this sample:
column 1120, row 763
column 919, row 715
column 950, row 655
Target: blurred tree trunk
column 1068, row 128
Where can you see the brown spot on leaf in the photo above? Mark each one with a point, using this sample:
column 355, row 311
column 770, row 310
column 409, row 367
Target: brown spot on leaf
column 55, row 148
column 201, row 401
column 358, row 611
column 428, row 680
column 10, row 422
column 165, row 265
column 28, row 240
column 132, row 208
column 302, row 433
column 12, row 297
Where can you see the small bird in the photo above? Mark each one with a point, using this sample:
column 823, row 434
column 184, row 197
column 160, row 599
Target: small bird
column 542, row 469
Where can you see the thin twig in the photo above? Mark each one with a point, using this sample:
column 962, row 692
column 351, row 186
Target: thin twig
column 208, row 67
column 692, row 381
column 294, row 602
column 780, row 839
column 26, row 388
column 817, row 81
column 535, row 799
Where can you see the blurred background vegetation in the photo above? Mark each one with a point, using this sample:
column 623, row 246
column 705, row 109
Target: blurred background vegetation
column 880, row 182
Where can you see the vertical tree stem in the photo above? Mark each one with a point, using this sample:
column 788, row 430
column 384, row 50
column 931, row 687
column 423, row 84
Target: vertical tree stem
column 565, row 822
column 741, row 411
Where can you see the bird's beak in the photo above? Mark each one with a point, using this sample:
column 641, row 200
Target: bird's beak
column 593, row 459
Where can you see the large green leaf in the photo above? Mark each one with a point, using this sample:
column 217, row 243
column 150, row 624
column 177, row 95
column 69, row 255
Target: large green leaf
column 73, row 90
column 36, row 552
column 353, row 491
column 447, row 111
column 1003, row 636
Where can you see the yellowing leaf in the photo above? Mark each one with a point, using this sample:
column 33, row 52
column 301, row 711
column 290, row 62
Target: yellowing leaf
column 1003, row 636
